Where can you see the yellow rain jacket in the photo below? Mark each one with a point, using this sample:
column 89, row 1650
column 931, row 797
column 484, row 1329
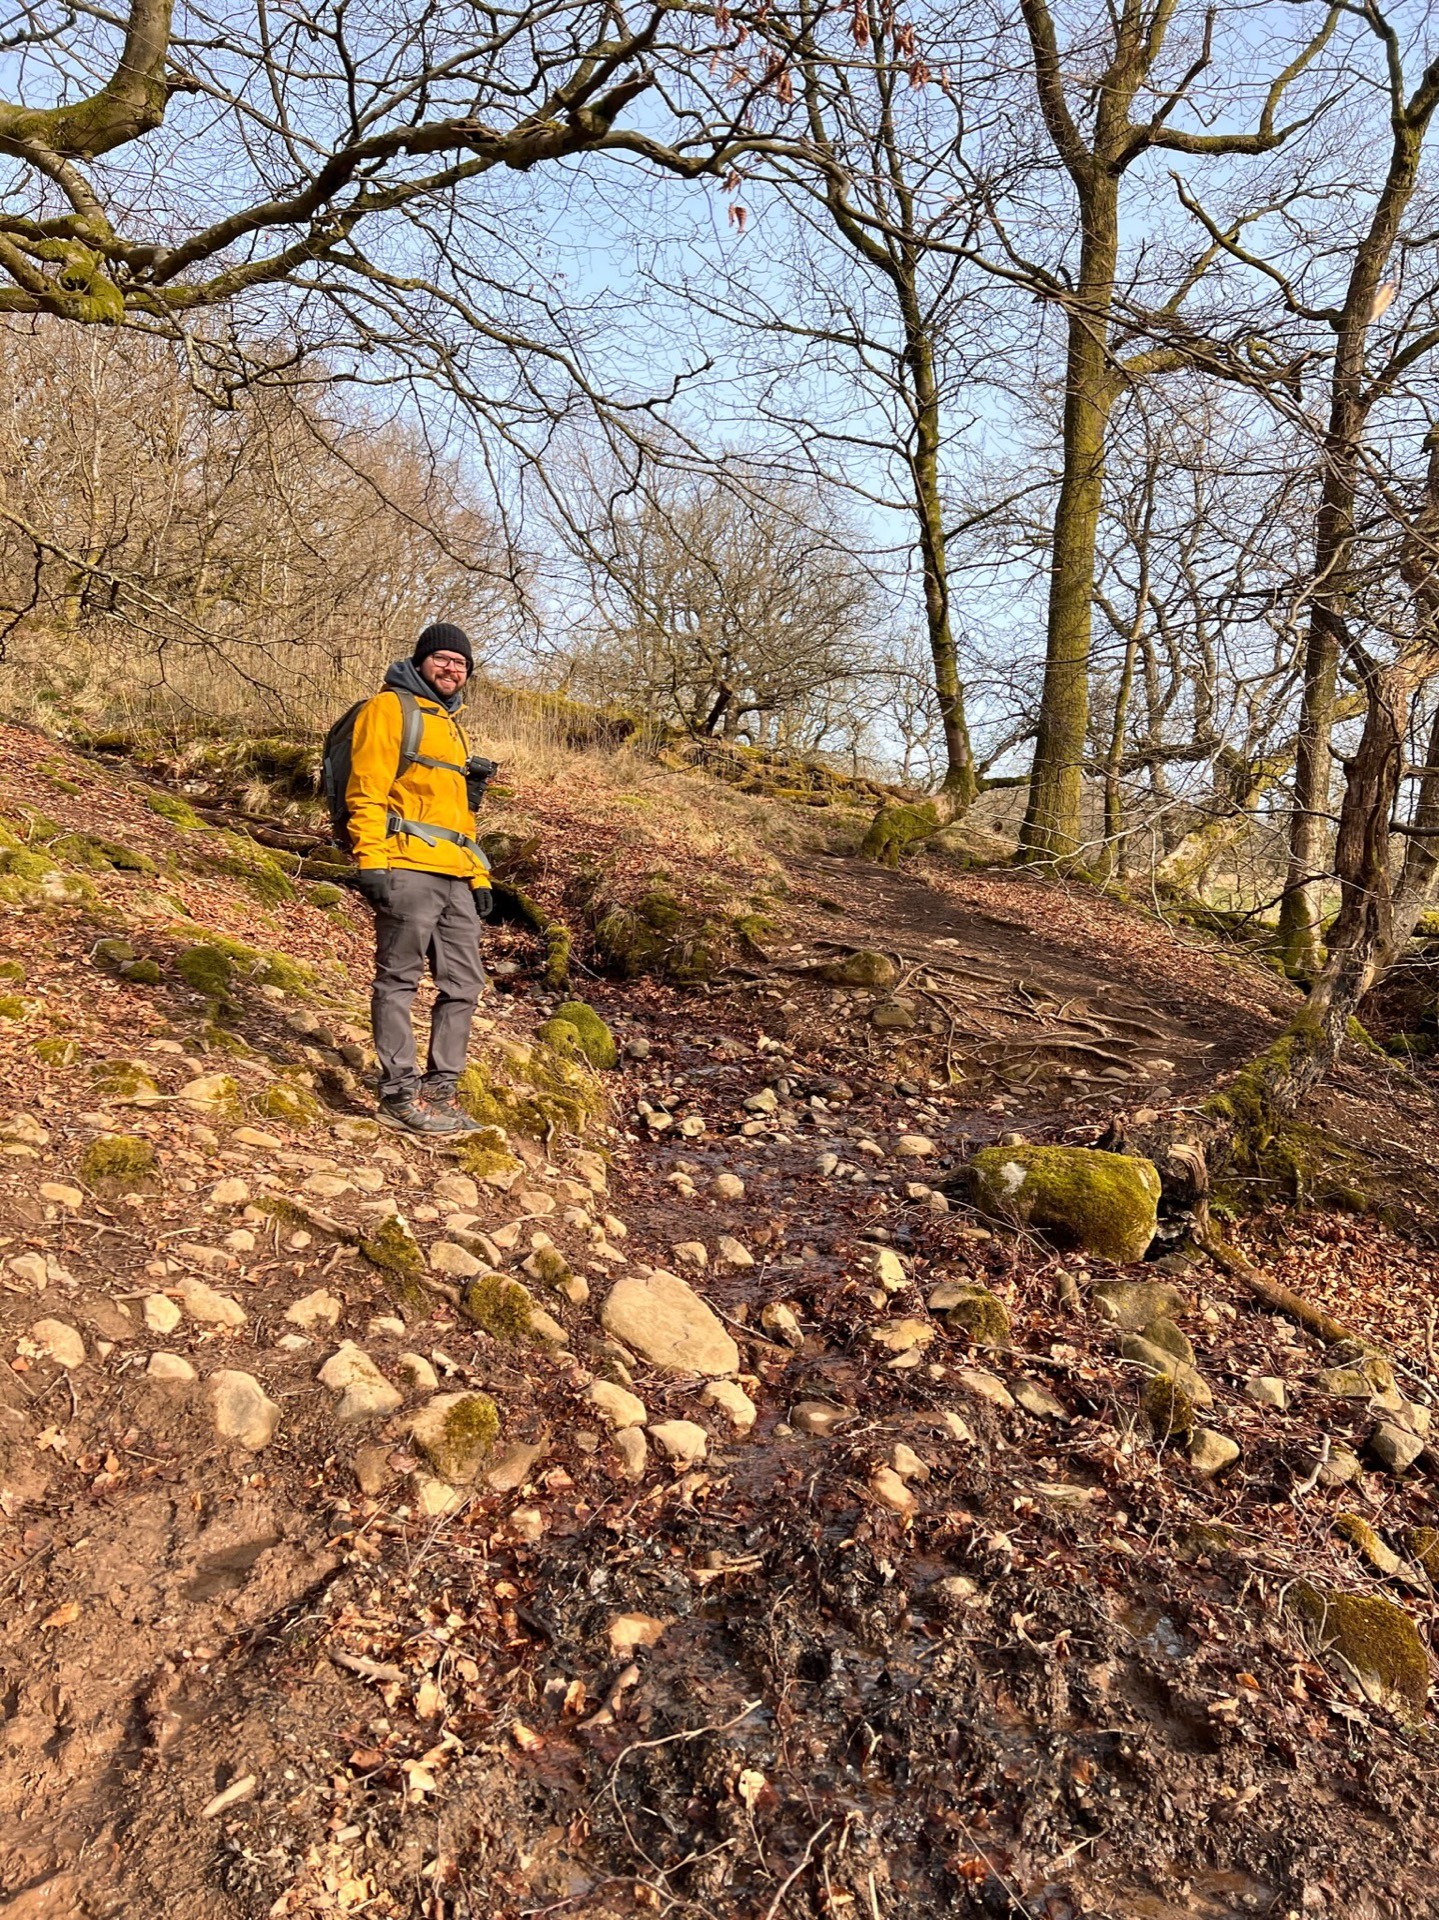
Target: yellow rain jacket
column 390, row 808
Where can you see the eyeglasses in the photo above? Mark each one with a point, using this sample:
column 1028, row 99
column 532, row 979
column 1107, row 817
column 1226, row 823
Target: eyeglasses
column 449, row 663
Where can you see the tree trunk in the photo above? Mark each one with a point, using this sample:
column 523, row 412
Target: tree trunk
column 1111, row 853
column 1052, row 826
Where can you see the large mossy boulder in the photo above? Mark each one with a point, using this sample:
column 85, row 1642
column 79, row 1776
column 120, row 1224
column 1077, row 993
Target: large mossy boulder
column 863, row 968
column 1106, row 1203
column 592, row 1038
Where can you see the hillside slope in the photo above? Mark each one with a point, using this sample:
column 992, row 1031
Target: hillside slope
column 880, row 1606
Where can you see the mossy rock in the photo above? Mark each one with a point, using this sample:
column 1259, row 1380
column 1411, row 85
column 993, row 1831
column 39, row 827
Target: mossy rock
column 1168, row 1407
column 169, row 806
column 31, row 879
column 532, row 1090
column 394, row 1249
column 12, row 1007
column 597, row 1043
column 1163, row 1333
column 113, row 954
column 864, row 968
column 661, row 934
column 325, row 896
column 295, row 1106
column 1355, row 1529
column 486, row 1154
column 120, row 1163
column 1422, row 1546
column 258, row 872
column 56, row 1051
column 894, row 829
column 549, row 1266
column 1132, row 1304
column 973, row 1311
column 455, row 1434
column 12, row 973
column 142, row 973
column 500, row 1305
column 96, row 855
column 59, row 778
column 560, row 1035
column 125, row 1080
column 206, row 969
column 1106, row 1203
column 1373, row 1641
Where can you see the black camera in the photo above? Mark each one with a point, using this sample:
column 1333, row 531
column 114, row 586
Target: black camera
column 479, row 772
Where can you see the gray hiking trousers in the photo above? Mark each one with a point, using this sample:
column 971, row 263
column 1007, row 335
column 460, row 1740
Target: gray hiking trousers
column 431, row 921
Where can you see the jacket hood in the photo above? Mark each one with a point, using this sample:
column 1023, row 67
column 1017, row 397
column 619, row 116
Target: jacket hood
column 404, row 675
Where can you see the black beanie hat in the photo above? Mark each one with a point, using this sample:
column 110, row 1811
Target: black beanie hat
column 443, row 638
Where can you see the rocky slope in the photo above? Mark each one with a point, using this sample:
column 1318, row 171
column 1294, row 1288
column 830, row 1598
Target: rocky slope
column 679, row 1499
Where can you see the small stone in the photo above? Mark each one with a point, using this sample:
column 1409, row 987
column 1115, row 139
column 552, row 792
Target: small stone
column 765, row 1101
column 1131, row 1305
column 633, row 1450
column 954, row 1592
column 1341, row 1469
column 456, row 1261
column 59, row 1343
column 630, row 1630
column 1159, row 1360
column 638, row 1048
column 1395, row 1447
column 985, row 1386
column 59, row 1194
column 904, row 1461
column 253, row 1137
column 161, row 1314
column 937, row 1203
column 1210, row 1452
column 914, row 1146
column 31, row 1268
column 663, row 1319
column 683, row 1441
column 169, row 1366
column 732, row 1400
column 240, row 1241
column 889, row 1270
column 953, row 1426
column 903, row 1336
column 417, row 1373
column 435, row 1499
column 733, row 1253
column 241, row 1409
column 727, row 1186
column 691, row 1253
column 618, row 1407
column 1266, row 1390
column 514, row 1465
column 294, row 1343
column 456, row 1190
column 229, row 1193
column 826, row 1163
column 318, row 1309
column 456, row 1433
column 778, row 1319
column 1419, row 1417
column 373, row 1471
column 211, row 1309
column 1162, row 1332
column 1038, row 1400
column 362, row 1389
column 385, row 1326
column 890, row 1491
column 818, row 1418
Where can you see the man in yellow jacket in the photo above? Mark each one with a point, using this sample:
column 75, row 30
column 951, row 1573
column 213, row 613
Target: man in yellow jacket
column 411, row 798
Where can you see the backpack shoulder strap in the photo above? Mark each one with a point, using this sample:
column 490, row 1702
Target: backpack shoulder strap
column 412, row 728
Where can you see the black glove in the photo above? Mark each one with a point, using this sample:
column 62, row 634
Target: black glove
column 377, row 887
column 484, row 902
column 479, row 772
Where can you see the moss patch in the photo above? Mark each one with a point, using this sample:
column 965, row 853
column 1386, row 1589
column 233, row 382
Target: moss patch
column 97, row 855
column 13, row 973
column 455, row 1434
column 1373, row 1640
column 487, row 1156
column 258, row 872
column 121, row 1162
column 326, row 896
column 1105, row 1203
column 12, row 1007
column 207, row 970
column 532, row 1090
column 896, row 828
column 296, row 1106
column 57, row 1052
column 124, row 1080
column 597, row 1043
column 1168, row 1407
column 178, row 812
column 977, row 1313
column 500, row 1305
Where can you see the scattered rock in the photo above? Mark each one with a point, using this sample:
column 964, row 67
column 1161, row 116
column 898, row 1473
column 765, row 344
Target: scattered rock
column 230, row 1193
column 890, row 1491
column 691, row 1253
column 638, row 1048
column 455, row 1433
column 417, row 1373
column 315, row 1310
column 1159, row 1360
column 31, row 1269
column 436, row 1499
column 1036, row 1398
column 727, row 1186
column 512, row 1467
column 818, row 1418
column 619, row 1408
column 914, row 1146
column 894, row 1016
column 778, row 1319
column 211, row 1309
column 903, row 1336
column 634, row 1452
column 363, row 1390
column 170, row 1366
column 985, row 1386
column 1210, row 1452
column 889, row 1270
column 456, row 1190
column 1105, row 1203
column 904, row 1461
column 1163, row 1333
column 58, row 1342
column 1266, row 1390
column 241, row 1409
column 1341, row 1469
column 733, row 1253
column 973, row 1311
column 683, row 1441
column 660, row 1317
column 60, row 1194
column 527, row 1523
column 732, row 1400
column 373, row 1472
column 863, row 968
column 1395, row 1447
column 952, row 1426
column 765, row 1101
column 161, row 1314
column 455, row 1261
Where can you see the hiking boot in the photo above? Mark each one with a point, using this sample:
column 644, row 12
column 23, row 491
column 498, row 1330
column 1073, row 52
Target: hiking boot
column 406, row 1114
column 441, row 1102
